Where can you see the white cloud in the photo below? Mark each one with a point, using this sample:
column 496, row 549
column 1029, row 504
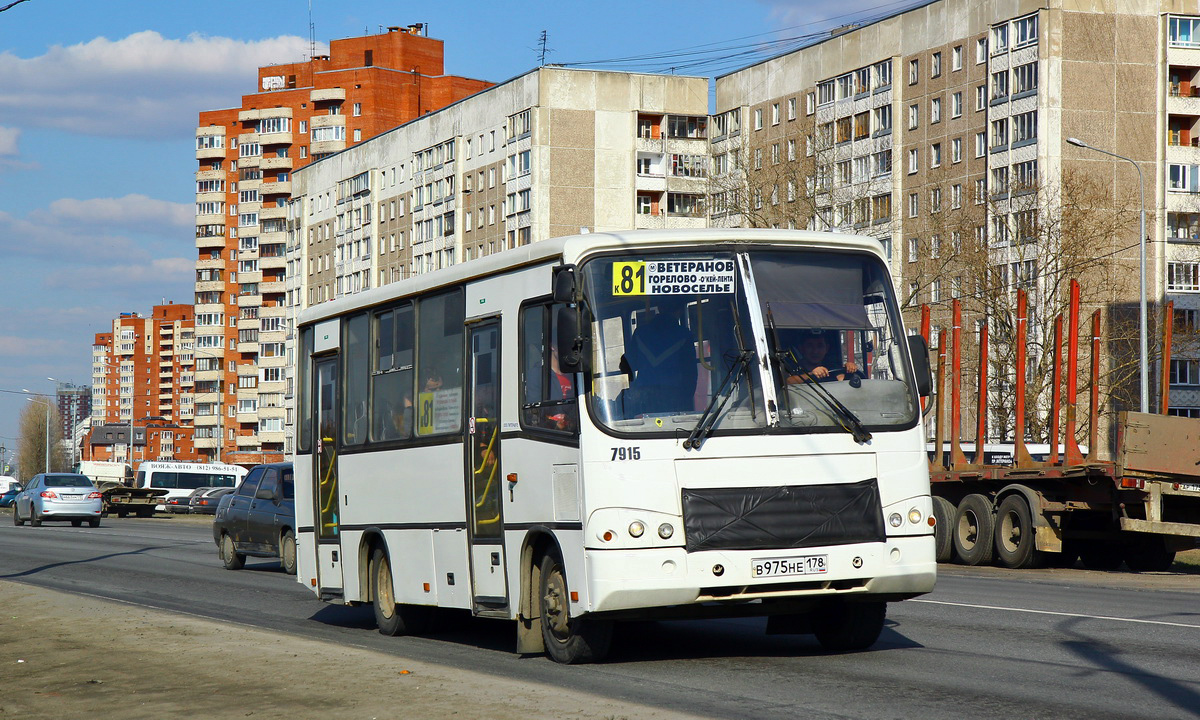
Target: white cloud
column 129, row 211
column 149, row 277
column 143, row 85
column 8, row 140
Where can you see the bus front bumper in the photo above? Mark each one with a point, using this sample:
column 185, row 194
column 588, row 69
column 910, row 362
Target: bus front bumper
column 897, row 569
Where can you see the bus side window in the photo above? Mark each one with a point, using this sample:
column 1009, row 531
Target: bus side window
column 548, row 395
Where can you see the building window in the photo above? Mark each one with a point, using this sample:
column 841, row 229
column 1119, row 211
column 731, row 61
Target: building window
column 825, row 92
column 913, row 205
column 914, row 116
column 1025, row 78
column 758, row 119
column 956, row 105
column 914, row 70
column 774, row 113
column 1026, row 30
column 913, row 164
column 913, row 249
column 935, row 65
column 935, row 155
column 1024, row 127
column 1183, row 277
column 956, row 150
column 980, row 191
column 791, row 109
column 956, row 58
column 1000, row 132
column 1182, row 32
column 935, row 200
column 955, row 196
column 1000, row 39
column 883, row 119
column 935, row 110
column 980, row 97
column 980, row 144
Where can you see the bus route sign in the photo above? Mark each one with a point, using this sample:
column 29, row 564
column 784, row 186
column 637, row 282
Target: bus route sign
column 698, row 276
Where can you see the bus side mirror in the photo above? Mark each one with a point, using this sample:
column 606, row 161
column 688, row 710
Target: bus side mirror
column 572, row 346
column 563, row 283
column 919, row 351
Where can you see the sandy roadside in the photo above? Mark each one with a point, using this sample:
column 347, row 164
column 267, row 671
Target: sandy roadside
column 117, row 661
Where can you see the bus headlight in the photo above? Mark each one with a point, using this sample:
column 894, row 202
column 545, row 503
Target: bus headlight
column 665, row 531
column 636, row 528
column 895, row 520
column 914, row 516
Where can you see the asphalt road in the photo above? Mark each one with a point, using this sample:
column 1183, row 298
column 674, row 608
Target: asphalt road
column 986, row 643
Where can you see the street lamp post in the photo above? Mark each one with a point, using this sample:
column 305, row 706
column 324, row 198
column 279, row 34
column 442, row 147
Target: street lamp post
column 1143, row 352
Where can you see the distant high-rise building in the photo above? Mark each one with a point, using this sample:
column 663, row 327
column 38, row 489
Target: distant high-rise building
column 74, row 404
column 143, row 378
column 301, row 112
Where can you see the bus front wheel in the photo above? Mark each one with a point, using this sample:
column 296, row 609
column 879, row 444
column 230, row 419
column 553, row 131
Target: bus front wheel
column 393, row 618
column 842, row 626
column 569, row 640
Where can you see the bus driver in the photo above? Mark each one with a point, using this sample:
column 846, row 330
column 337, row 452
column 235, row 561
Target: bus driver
column 813, row 352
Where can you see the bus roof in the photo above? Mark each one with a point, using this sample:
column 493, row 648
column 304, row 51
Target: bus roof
column 571, row 248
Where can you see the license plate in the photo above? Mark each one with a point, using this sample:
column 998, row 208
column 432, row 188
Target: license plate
column 779, row 567
column 70, row 497
column 1190, row 487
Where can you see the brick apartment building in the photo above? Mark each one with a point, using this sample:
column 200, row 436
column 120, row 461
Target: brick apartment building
column 246, row 155
column 142, row 379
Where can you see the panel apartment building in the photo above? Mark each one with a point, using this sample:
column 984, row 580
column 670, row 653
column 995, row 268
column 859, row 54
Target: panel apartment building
column 553, row 152
column 142, row 380
column 246, row 155
column 942, row 130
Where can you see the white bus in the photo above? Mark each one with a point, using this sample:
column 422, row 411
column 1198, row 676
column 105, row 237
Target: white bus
column 179, row 479
column 619, row 426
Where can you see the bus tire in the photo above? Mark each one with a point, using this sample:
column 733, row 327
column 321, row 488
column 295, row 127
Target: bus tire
column 1016, row 541
column 287, row 552
column 943, row 529
column 974, row 524
column 393, row 618
column 230, row 557
column 842, row 626
column 568, row 640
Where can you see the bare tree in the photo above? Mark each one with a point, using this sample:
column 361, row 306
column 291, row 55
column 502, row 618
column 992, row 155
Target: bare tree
column 31, row 448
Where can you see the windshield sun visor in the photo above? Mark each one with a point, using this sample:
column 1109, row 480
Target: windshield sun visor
column 825, row 292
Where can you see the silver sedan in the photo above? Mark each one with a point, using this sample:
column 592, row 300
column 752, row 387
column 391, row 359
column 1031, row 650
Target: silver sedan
column 58, row 496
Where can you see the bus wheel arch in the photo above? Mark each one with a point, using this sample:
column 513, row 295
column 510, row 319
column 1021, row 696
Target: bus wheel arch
column 372, row 538
column 569, row 639
column 529, row 607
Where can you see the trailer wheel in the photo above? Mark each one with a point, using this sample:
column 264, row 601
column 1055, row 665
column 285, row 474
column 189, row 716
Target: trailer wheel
column 1100, row 555
column 973, row 529
column 943, row 530
column 842, row 626
column 1016, row 543
column 1149, row 554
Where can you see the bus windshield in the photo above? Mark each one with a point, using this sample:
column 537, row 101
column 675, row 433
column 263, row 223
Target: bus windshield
column 675, row 342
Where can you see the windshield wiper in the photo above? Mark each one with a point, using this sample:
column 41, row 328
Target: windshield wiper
column 708, row 419
column 845, row 416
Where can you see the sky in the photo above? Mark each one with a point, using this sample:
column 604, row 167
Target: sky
column 99, row 103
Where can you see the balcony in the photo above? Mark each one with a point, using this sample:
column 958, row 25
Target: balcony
column 210, row 197
column 327, row 94
column 247, row 417
column 271, row 288
column 207, row 285
column 260, row 113
column 273, row 213
column 210, row 174
column 210, row 241
column 326, row 146
column 273, row 262
column 276, row 163
column 204, row 443
column 210, row 264
column 276, row 188
column 248, row 347
column 249, row 161
column 210, row 153
column 275, row 138
column 249, row 300
column 250, row 276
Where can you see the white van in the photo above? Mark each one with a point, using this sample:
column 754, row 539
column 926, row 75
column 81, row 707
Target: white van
column 7, row 482
column 180, row 479
column 105, row 473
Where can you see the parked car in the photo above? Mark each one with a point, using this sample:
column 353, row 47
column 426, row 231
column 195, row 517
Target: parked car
column 204, row 500
column 58, row 496
column 176, row 504
column 258, row 518
column 6, row 500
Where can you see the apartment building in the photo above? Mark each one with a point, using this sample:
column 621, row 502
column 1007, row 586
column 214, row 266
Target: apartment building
column 74, row 403
column 246, row 156
column 550, row 153
column 943, row 131
column 143, row 381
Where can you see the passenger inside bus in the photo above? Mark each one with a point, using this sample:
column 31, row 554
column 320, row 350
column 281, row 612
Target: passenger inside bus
column 660, row 360
column 399, row 419
column 817, row 359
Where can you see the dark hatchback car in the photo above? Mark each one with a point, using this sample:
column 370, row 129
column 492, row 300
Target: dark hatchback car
column 258, row 519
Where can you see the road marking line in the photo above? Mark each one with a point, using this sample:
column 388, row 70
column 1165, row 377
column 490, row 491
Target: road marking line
column 1061, row 614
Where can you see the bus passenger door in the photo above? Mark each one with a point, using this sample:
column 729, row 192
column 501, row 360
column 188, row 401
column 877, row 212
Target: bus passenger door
column 325, row 476
column 484, row 477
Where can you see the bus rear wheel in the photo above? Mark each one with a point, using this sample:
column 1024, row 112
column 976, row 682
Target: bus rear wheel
column 568, row 640
column 393, row 618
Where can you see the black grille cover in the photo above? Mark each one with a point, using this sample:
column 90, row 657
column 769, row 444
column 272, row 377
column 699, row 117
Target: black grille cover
column 797, row 516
